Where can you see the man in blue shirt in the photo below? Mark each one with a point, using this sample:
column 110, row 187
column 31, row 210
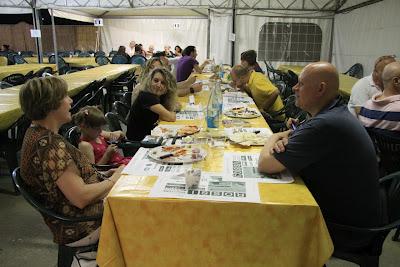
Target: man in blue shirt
column 332, row 153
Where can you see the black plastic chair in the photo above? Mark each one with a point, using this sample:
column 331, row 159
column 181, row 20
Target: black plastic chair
column 11, row 143
column 116, row 90
column 42, row 71
column 4, row 85
column 102, row 60
column 97, row 98
column 10, row 58
column 113, row 121
column 367, row 255
column 112, row 53
column 65, row 253
column 127, row 98
column 18, row 59
column 29, row 75
column 356, row 71
column 119, row 59
column 84, row 54
column 27, row 53
column 15, row 79
column 81, row 103
column 100, row 53
column 121, row 110
column 63, row 67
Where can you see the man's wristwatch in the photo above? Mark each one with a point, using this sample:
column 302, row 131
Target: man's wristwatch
column 191, row 90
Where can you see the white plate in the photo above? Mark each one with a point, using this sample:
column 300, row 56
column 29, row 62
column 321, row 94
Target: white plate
column 243, row 113
column 180, row 154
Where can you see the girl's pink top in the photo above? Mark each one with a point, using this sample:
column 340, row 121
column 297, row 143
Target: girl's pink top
column 100, row 148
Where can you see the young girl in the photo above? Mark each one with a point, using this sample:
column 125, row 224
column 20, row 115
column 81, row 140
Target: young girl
column 93, row 143
column 154, row 100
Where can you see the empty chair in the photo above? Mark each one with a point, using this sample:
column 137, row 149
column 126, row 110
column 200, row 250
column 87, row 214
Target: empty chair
column 113, row 121
column 102, row 60
column 10, row 58
column 97, row 99
column 26, row 53
column 42, row 71
column 119, row 59
column 18, row 59
column 15, row 79
column 63, row 67
column 29, row 75
column 84, row 54
column 99, row 53
column 121, row 110
column 112, row 53
column 356, row 71
column 367, row 254
column 81, row 103
column 4, row 85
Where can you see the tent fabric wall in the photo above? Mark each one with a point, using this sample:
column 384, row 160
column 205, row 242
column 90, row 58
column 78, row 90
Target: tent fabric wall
column 157, row 32
column 364, row 34
column 69, row 37
column 248, row 29
column 220, row 46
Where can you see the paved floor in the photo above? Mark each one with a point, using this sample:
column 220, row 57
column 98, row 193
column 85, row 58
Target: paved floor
column 26, row 240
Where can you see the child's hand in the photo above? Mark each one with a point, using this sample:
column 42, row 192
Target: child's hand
column 111, row 149
column 117, row 135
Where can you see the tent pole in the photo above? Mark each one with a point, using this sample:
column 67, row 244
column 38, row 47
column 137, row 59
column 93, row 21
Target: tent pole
column 208, row 33
column 233, row 31
column 53, row 27
column 36, row 26
column 331, row 43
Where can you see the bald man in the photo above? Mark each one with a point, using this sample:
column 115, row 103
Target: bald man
column 365, row 88
column 383, row 110
column 332, row 153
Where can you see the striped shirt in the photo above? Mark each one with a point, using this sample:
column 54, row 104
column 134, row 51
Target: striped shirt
column 381, row 113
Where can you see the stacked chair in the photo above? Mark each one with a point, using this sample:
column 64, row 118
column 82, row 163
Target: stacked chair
column 356, row 71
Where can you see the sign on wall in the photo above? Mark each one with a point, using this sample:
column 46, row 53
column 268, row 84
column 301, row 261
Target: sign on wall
column 98, row 22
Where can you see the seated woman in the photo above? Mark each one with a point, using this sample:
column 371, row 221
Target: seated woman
column 178, row 51
column 154, row 100
column 93, row 142
column 183, row 88
column 56, row 171
column 122, row 51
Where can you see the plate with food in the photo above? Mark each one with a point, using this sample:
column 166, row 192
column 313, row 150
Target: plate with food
column 242, row 112
column 249, row 138
column 175, row 130
column 177, row 154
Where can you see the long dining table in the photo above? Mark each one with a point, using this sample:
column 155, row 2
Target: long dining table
column 346, row 82
column 10, row 109
column 71, row 61
column 22, row 69
column 285, row 228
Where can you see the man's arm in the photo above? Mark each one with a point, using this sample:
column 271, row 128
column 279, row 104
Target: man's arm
column 270, row 100
column 267, row 163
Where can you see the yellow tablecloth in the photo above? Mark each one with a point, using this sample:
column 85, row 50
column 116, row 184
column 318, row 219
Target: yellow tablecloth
column 10, row 110
column 3, row 61
column 72, row 61
column 286, row 229
column 22, row 68
column 345, row 82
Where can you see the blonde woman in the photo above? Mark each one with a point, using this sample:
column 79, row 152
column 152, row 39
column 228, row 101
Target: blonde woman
column 183, row 88
column 154, row 100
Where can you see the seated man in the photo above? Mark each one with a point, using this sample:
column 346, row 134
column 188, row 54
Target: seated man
column 383, row 110
column 366, row 87
column 249, row 59
column 332, row 153
column 187, row 63
column 259, row 87
column 138, row 57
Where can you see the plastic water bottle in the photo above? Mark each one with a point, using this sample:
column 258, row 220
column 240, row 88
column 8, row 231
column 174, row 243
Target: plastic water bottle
column 218, row 93
column 213, row 110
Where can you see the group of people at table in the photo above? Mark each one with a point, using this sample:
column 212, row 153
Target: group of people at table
column 331, row 151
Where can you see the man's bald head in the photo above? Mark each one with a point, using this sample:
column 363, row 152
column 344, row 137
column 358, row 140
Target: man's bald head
column 240, row 75
column 318, row 86
column 391, row 77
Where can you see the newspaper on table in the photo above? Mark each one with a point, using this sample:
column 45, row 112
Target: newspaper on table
column 244, row 166
column 189, row 115
column 141, row 164
column 212, row 186
column 232, row 99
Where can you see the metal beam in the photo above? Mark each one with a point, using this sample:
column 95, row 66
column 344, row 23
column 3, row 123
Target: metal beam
column 363, row 4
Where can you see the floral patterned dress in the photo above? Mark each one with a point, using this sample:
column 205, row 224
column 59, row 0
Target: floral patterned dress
column 45, row 157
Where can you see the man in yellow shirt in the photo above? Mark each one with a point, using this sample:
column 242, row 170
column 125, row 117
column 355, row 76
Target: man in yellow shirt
column 259, row 87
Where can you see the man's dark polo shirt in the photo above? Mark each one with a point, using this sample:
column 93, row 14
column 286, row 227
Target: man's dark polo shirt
column 334, row 155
